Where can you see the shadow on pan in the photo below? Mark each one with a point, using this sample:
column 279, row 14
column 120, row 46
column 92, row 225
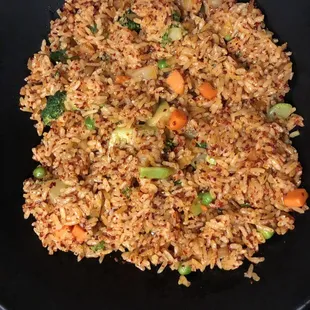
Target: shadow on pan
column 30, row 279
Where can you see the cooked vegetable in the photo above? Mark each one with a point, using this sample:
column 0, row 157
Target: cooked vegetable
column 295, row 134
column 175, row 33
column 202, row 145
column 61, row 233
column 79, row 233
column 55, row 190
column 162, row 64
column 105, row 57
column 176, row 82
column 147, row 130
column 39, row 172
column 177, row 182
column 162, row 114
column 145, row 73
column 169, row 145
column 99, row 246
column 296, row 198
column 198, row 159
column 93, row 28
column 207, row 91
column 200, row 203
column 55, row 107
column 176, row 16
column 196, row 207
column 281, row 110
column 245, row 205
column 210, row 160
column 184, row 270
column 90, row 123
column 190, row 133
column 228, row 38
column 119, row 135
column 265, row 231
column 206, row 198
column 58, row 56
column 121, row 79
column 177, row 120
column 127, row 21
column 126, row 192
column 165, row 39
column 156, row 172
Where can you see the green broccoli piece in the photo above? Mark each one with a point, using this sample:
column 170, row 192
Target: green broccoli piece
column 165, row 39
column 126, row 21
column 202, row 145
column 169, row 145
column 59, row 56
column 93, row 28
column 176, row 16
column 55, row 107
column 99, row 246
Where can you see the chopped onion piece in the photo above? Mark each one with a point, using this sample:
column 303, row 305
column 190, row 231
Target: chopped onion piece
column 281, row 110
column 175, row 34
column 162, row 113
column 55, row 191
column 211, row 160
column 145, row 73
column 122, row 135
column 295, row 134
column 215, row 3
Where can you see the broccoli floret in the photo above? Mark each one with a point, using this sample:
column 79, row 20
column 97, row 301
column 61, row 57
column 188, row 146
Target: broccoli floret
column 176, row 16
column 59, row 56
column 126, row 21
column 55, row 107
column 202, row 145
column 165, row 39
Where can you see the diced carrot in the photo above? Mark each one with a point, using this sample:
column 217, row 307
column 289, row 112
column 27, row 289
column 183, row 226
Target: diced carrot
column 121, row 79
column 61, row 233
column 203, row 208
column 177, row 120
column 79, row 233
column 176, row 82
column 207, row 91
column 296, row 198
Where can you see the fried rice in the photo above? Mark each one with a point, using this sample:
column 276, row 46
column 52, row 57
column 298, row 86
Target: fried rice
column 93, row 200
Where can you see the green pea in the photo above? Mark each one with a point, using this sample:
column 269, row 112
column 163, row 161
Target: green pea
column 90, row 123
column 162, row 64
column 184, row 270
column 228, row 38
column 39, row 172
column 205, row 198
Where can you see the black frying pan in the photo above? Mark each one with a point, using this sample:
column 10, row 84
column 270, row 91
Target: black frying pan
column 31, row 279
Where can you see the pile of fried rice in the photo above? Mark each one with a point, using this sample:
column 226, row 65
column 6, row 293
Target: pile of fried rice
column 219, row 191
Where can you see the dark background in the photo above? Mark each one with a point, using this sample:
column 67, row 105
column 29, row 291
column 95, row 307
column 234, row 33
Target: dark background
column 31, row 279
